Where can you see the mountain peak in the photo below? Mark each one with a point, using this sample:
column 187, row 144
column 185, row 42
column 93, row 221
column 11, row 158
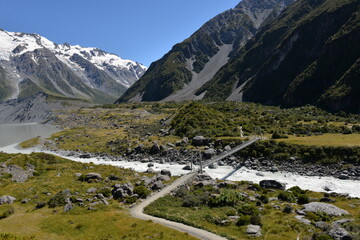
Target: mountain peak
column 93, row 67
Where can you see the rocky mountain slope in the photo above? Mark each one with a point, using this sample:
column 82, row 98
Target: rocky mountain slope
column 30, row 63
column 38, row 108
column 192, row 63
column 309, row 55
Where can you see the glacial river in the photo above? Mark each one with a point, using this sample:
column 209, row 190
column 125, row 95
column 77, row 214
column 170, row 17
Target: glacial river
column 12, row 134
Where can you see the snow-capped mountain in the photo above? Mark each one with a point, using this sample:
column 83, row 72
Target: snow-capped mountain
column 30, row 63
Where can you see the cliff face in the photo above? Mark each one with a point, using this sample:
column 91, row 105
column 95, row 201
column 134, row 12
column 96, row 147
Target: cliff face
column 309, row 55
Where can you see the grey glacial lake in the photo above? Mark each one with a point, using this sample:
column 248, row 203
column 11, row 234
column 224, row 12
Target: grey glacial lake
column 16, row 133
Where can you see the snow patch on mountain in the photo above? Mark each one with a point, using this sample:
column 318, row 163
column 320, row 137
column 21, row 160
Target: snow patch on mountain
column 126, row 72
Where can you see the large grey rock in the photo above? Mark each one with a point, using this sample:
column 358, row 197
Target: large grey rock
column 68, row 207
column 272, row 184
column 302, row 219
column 203, row 179
column 199, row 141
column 139, row 149
column 113, row 177
column 160, row 177
column 155, row 149
column 209, row 153
column 227, row 148
column 122, row 190
column 18, row 174
column 339, row 233
column 213, row 166
column 150, row 170
column 253, row 230
column 7, row 200
column 91, row 190
column 93, row 177
column 165, row 172
column 324, row 207
column 157, row 185
column 187, row 167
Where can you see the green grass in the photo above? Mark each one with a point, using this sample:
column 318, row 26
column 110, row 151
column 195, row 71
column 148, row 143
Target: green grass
column 275, row 223
column 30, row 143
column 334, row 140
column 54, row 174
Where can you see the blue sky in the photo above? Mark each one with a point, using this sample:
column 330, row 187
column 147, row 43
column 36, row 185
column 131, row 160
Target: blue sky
column 141, row 30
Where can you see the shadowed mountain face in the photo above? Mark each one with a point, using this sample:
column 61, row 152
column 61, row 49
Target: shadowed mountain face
column 309, row 55
column 191, row 64
column 30, row 64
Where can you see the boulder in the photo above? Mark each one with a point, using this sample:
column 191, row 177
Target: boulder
column 93, row 177
column 155, row 149
column 329, row 186
column 78, row 175
column 203, row 179
column 160, row 177
column 18, row 174
column 253, row 230
column 302, row 219
column 68, row 207
column 60, row 199
column 91, row 190
column 185, row 140
column 113, row 177
column 339, row 233
column 40, row 205
column 187, row 167
column 227, row 148
column 227, row 184
column 150, row 170
column 157, row 185
column 209, row 153
column 322, row 225
column 199, row 141
column 139, row 149
column 213, row 166
column 7, row 200
column 85, row 156
column 272, row 184
column 129, row 188
column 122, row 190
column 165, row 172
column 118, row 193
column 324, row 207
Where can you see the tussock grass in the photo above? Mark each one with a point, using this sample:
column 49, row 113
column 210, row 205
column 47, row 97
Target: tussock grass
column 54, row 174
column 334, row 140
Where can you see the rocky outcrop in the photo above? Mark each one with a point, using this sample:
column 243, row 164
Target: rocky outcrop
column 329, row 209
column 93, row 177
column 272, row 184
column 253, row 230
column 7, row 200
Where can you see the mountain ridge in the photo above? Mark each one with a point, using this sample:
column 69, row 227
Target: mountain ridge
column 186, row 60
column 62, row 69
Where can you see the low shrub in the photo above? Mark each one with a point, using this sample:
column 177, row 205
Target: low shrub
column 248, row 209
column 287, row 197
column 6, row 211
column 243, row 220
column 142, row 191
column 303, row 199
